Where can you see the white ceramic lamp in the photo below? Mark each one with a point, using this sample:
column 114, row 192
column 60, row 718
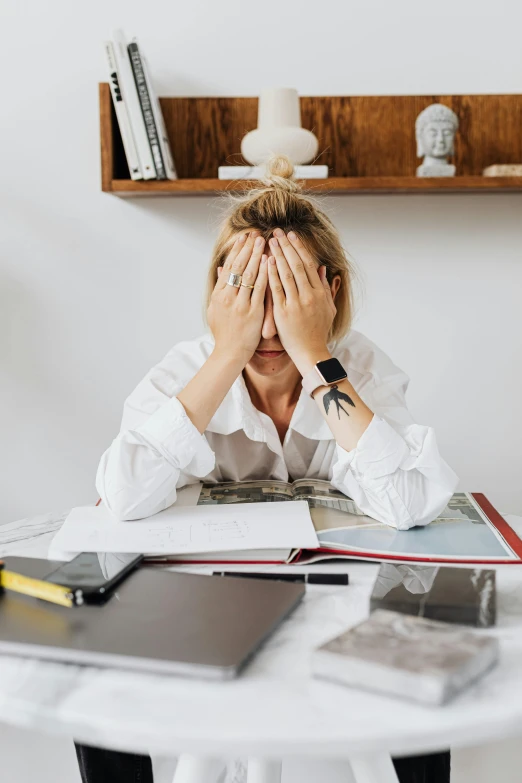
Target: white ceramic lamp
column 279, row 130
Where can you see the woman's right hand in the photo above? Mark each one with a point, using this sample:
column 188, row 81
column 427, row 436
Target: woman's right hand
column 235, row 315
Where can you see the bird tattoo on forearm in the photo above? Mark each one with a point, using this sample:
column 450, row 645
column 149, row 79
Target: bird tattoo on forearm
column 334, row 395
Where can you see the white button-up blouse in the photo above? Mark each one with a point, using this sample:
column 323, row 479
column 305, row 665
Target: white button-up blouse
column 395, row 474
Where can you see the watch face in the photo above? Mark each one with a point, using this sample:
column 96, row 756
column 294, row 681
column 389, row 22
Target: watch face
column 332, row 370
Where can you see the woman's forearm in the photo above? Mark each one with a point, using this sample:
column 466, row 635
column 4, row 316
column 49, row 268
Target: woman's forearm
column 346, row 414
column 372, row 472
column 203, row 395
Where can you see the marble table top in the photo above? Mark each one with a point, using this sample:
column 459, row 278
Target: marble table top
column 275, row 707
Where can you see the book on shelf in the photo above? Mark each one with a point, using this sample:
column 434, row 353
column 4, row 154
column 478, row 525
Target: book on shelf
column 163, row 138
column 146, row 109
column 122, row 115
column 138, row 111
column 503, row 170
column 152, row 115
column 468, row 530
column 130, row 96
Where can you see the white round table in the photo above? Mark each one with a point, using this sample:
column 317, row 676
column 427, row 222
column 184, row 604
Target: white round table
column 275, row 709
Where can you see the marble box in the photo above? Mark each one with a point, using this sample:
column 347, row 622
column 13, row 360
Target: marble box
column 425, row 661
column 446, row 593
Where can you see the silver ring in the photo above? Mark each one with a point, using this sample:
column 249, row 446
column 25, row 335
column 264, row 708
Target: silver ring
column 234, row 280
column 247, row 286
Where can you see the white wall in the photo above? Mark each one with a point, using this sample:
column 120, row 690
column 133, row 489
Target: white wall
column 94, row 290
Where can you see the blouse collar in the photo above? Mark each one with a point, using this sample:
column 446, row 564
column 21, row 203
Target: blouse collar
column 237, row 412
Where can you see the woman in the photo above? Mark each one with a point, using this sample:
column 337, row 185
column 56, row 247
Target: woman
column 247, row 401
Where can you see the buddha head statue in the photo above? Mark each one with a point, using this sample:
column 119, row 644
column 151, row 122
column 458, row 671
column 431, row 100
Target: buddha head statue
column 435, row 129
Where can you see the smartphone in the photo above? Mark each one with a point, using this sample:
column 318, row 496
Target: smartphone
column 94, row 573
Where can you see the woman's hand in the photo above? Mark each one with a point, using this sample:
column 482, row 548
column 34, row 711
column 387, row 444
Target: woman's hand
column 235, row 315
column 303, row 305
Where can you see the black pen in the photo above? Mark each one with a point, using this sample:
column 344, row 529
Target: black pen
column 311, row 579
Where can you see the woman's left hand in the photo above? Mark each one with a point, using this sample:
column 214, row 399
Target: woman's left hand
column 303, row 305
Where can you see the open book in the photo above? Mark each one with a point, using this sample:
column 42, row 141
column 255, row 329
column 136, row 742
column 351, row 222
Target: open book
column 314, row 491
column 469, row 530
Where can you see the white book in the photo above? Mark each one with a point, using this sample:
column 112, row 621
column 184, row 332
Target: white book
column 255, row 172
column 179, row 530
column 131, row 98
column 409, row 657
column 122, row 115
column 164, row 143
column 503, row 170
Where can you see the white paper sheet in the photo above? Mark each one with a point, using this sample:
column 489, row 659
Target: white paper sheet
column 190, row 529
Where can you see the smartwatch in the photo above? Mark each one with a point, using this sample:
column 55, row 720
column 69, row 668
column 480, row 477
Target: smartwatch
column 323, row 374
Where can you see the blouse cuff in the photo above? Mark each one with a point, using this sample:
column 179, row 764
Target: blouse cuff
column 379, row 452
column 173, row 434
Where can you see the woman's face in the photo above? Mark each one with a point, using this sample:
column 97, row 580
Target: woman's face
column 270, row 358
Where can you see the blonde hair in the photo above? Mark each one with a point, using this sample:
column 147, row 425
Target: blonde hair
column 281, row 203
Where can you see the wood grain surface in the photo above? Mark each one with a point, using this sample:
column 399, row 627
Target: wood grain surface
column 367, row 142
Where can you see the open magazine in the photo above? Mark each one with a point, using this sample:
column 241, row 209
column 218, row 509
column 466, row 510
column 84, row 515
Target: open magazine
column 315, row 492
column 469, row 530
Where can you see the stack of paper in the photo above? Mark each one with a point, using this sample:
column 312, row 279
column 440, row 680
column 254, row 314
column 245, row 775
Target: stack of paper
column 258, row 531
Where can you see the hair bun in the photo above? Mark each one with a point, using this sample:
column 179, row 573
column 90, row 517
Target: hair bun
column 279, row 173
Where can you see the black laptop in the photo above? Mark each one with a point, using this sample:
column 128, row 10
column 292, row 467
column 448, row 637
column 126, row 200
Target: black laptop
column 155, row 621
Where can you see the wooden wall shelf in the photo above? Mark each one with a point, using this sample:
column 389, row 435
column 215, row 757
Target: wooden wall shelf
column 368, row 144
